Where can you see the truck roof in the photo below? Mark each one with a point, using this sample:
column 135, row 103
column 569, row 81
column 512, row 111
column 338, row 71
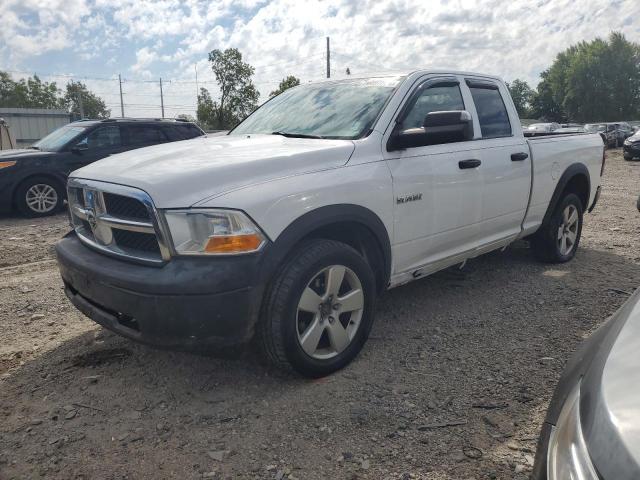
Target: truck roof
column 406, row 73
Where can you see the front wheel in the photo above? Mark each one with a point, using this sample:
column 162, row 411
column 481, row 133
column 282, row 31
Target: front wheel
column 627, row 156
column 558, row 241
column 39, row 197
column 319, row 310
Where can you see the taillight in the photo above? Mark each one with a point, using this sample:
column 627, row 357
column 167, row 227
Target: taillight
column 604, row 158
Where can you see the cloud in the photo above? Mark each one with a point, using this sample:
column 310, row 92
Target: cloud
column 513, row 39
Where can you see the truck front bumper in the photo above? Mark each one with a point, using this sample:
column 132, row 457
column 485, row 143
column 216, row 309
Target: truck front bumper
column 187, row 303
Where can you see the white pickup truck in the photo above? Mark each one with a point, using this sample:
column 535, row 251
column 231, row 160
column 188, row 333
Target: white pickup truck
column 289, row 227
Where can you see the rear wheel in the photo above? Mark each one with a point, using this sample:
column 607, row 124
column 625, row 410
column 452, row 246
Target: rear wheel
column 558, row 241
column 39, row 197
column 319, row 310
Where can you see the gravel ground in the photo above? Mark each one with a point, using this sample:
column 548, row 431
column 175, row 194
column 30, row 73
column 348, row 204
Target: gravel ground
column 453, row 383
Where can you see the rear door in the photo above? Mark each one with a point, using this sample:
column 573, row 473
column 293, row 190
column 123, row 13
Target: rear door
column 506, row 165
column 139, row 136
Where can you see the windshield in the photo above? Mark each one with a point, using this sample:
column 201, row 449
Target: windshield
column 58, row 138
column 594, row 128
column 340, row 110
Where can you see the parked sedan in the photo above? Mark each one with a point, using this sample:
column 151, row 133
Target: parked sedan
column 592, row 429
column 33, row 180
column 631, row 147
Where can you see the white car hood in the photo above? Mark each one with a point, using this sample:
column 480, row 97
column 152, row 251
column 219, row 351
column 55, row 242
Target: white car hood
column 181, row 174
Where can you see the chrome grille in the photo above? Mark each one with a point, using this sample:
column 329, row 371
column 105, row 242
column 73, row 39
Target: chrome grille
column 116, row 220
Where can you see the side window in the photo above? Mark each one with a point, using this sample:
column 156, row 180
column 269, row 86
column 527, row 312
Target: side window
column 492, row 112
column 438, row 98
column 172, row 133
column 194, row 131
column 145, row 134
column 186, row 131
column 103, row 137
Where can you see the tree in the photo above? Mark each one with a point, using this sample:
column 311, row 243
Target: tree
column 285, row 84
column 34, row 93
column 238, row 95
column 522, row 96
column 92, row 106
column 30, row 93
column 592, row 81
column 206, row 109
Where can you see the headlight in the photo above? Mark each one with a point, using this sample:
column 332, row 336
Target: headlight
column 213, row 232
column 568, row 457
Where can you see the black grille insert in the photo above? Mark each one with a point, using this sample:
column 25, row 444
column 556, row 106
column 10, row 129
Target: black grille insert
column 127, row 207
column 136, row 241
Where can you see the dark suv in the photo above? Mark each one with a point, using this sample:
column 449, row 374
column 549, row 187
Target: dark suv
column 33, row 180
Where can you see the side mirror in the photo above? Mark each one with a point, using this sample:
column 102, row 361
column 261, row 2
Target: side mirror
column 438, row 128
column 79, row 148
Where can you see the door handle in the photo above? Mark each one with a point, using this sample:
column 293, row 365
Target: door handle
column 471, row 163
column 519, row 157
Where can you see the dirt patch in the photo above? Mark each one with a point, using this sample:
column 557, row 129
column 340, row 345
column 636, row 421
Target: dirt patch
column 453, row 383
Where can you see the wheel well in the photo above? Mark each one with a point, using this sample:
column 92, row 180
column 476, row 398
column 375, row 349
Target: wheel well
column 53, row 178
column 362, row 239
column 578, row 184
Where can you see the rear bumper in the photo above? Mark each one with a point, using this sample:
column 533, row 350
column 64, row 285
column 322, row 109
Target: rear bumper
column 189, row 302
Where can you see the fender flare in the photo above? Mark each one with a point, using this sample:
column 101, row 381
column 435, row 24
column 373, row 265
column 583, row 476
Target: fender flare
column 327, row 215
column 572, row 170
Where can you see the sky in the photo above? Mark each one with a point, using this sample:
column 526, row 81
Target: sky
column 144, row 40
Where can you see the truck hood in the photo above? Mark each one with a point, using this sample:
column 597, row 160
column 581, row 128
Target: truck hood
column 181, row 174
column 610, row 404
column 17, row 154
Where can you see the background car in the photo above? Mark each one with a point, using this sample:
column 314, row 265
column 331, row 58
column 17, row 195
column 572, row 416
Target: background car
column 613, row 133
column 33, row 180
column 592, row 428
column 542, row 128
column 631, row 147
column 568, row 130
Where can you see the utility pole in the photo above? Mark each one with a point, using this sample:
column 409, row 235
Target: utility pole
column 161, row 98
column 121, row 101
column 195, row 67
column 328, row 59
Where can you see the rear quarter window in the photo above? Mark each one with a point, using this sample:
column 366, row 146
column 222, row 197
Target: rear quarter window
column 183, row 132
column 492, row 112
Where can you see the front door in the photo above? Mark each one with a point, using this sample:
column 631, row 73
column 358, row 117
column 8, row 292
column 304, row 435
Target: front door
column 438, row 193
column 99, row 143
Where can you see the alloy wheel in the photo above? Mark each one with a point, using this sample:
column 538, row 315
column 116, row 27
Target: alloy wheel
column 41, row 198
column 568, row 230
column 329, row 312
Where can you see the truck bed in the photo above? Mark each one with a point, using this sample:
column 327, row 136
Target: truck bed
column 551, row 155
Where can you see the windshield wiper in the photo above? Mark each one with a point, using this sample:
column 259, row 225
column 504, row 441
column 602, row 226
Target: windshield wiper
column 295, row 135
column 33, row 147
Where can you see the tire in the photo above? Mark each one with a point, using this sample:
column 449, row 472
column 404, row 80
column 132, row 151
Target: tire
column 627, row 157
column 287, row 333
column 551, row 242
column 31, row 205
